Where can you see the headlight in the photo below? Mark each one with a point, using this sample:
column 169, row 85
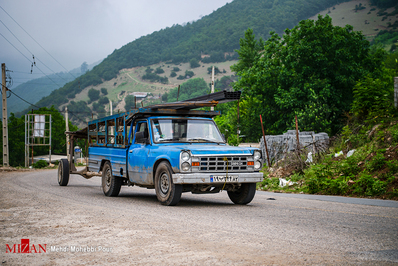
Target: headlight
column 257, row 155
column 185, row 166
column 185, row 156
column 257, row 165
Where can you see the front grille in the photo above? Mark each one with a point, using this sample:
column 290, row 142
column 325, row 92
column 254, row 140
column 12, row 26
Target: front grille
column 221, row 164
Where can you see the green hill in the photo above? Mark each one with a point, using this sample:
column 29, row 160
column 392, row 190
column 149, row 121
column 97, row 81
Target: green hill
column 215, row 35
column 36, row 89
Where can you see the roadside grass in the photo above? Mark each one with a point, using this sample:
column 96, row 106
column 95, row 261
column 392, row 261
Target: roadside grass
column 372, row 170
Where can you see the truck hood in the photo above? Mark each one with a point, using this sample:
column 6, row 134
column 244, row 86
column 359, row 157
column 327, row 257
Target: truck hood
column 200, row 150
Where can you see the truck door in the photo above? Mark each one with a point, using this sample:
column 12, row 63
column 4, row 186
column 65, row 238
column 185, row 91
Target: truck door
column 139, row 170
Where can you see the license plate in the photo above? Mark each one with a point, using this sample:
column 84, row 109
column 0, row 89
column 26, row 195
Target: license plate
column 220, row 178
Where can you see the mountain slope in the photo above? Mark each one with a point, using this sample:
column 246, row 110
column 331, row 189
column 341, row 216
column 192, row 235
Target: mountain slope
column 213, row 34
column 36, row 89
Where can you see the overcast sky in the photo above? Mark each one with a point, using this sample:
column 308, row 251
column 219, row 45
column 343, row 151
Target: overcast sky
column 77, row 31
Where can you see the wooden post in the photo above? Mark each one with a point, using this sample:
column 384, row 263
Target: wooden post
column 265, row 142
column 66, row 130
column 178, row 92
column 237, row 131
column 396, row 92
column 297, row 136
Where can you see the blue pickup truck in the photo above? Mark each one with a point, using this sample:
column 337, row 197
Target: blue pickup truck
column 172, row 151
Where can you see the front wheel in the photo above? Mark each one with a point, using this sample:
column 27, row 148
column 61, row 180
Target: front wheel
column 167, row 192
column 110, row 184
column 244, row 194
column 63, row 172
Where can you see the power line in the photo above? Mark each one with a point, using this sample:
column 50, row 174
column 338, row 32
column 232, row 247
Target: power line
column 37, row 42
column 34, row 63
column 29, row 60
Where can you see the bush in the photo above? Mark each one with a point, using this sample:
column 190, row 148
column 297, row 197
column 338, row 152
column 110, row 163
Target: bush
column 104, row 91
column 159, row 70
column 194, row 63
column 40, row 164
column 173, row 74
column 93, row 94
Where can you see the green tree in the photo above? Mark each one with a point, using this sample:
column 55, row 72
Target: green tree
column 16, row 136
column 310, row 73
column 93, row 94
column 249, row 51
column 129, row 102
column 104, row 91
column 173, row 74
column 159, row 70
column 194, row 63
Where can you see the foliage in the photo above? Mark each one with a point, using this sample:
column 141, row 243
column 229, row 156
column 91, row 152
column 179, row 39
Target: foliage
column 189, row 73
column 190, row 89
column 173, row 74
column 104, row 91
column 79, row 111
column 372, row 96
column 176, row 69
column 216, row 35
column 155, row 78
column 159, row 70
column 194, row 63
column 40, row 164
column 310, row 73
column 129, row 102
column 249, row 51
column 210, row 69
column 16, row 136
column 383, row 3
column 93, row 94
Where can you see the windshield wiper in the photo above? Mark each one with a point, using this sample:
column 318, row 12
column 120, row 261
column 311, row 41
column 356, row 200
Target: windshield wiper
column 205, row 140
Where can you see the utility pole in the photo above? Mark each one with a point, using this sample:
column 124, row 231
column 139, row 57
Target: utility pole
column 5, row 123
column 67, row 129
column 212, row 84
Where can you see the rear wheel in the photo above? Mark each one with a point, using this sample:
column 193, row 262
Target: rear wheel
column 167, row 192
column 63, row 172
column 244, row 194
column 110, row 184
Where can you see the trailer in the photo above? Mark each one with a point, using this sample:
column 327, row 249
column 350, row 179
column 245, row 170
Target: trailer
column 168, row 147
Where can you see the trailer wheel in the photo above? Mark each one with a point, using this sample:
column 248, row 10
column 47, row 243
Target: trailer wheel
column 167, row 192
column 110, row 184
column 63, row 172
column 244, row 194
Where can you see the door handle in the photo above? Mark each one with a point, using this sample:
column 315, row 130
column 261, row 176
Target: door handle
column 130, row 151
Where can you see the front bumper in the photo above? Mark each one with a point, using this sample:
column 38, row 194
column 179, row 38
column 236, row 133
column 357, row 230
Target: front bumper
column 212, row 178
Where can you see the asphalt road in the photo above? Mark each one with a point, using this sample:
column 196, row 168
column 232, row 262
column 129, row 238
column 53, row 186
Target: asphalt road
column 274, row 229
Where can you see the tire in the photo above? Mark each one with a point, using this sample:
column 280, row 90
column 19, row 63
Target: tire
column 244, row 194
column 63, row 172
column 110, row 184
column 167, row 192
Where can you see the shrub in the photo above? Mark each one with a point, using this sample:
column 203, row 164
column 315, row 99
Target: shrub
column 40, row 164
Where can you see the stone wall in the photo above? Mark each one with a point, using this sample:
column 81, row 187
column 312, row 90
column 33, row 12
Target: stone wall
column 279, row 145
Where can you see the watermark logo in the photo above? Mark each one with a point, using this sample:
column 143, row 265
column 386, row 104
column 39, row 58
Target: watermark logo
column 26, row 247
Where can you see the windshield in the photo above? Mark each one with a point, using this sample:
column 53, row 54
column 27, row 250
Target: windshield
column 185, row 130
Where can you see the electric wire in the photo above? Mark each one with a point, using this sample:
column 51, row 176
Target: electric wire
column 37, row 42
column 31, row 52
column 29, row 60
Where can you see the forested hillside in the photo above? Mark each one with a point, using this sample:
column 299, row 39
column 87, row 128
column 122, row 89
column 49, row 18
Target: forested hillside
column 214, row 35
